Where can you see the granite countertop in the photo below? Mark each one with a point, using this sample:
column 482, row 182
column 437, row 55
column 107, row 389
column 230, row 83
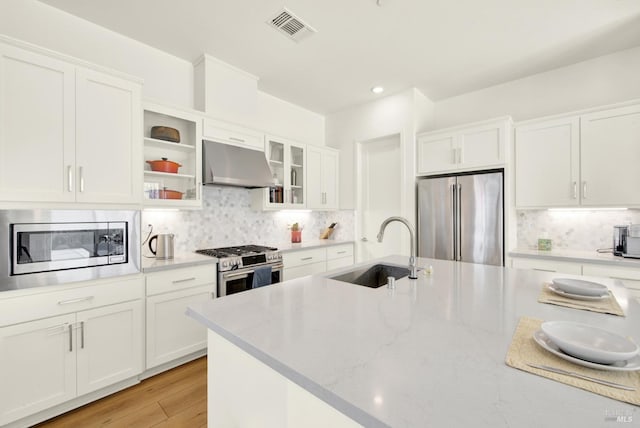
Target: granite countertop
column 577, row 256
column 429, row 353
column 285, row 247
column 150, row 264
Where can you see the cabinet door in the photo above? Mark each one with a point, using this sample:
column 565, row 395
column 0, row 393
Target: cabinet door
column 37, row 136
column 170, row 332
column 315, row 189
column 547, row 265
column 437, row 153
column 109, row 345
column 37, row 366
column 330, row 179
column 547, row 162
column 295, row 180
column 482, row 146
column 609, row 154
column 108, row 138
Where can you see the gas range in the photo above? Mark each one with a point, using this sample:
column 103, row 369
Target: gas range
column 243, row 256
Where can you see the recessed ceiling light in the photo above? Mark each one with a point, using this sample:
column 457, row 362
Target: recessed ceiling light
column 377, row 89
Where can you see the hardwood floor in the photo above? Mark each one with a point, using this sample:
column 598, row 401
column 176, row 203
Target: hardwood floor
column 175, row 398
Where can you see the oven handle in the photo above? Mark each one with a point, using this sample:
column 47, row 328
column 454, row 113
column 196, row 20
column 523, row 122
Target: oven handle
column 245, row 272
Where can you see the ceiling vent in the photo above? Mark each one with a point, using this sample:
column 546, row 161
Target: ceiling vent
column 290, row 25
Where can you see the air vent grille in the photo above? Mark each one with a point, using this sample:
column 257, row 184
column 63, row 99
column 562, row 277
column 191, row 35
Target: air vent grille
column 290, row 25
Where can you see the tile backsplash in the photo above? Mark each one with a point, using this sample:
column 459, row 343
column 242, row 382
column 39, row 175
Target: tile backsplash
column 227, row 218
column 572, row 229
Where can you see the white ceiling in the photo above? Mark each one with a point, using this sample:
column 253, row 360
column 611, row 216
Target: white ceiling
column 442, row 47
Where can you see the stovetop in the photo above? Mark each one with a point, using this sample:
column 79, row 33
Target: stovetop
column 243, row 256
column 239, row 251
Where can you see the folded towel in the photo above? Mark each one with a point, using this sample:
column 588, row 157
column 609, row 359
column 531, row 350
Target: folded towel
column 261, row 277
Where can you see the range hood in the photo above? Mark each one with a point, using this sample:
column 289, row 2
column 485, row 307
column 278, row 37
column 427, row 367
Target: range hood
column 229, row 165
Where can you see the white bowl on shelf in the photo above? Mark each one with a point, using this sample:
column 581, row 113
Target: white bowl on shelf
column 590, row 343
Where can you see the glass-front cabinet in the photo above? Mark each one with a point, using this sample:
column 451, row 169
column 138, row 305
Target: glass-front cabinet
column 172, row 157
column 287, row 160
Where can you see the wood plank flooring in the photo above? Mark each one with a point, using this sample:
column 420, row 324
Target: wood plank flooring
column 175, row 398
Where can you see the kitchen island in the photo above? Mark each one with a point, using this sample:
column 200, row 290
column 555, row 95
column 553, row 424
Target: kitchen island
column 317, row 352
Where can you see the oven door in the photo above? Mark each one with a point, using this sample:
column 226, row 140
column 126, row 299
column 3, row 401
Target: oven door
column 239, row 280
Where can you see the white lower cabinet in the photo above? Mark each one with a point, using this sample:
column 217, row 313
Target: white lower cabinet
column 51, row 360
column 171, row 334
column 38, row 366
column 316, row 260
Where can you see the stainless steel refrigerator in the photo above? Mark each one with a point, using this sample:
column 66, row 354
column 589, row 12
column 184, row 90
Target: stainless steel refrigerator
column 460, row 217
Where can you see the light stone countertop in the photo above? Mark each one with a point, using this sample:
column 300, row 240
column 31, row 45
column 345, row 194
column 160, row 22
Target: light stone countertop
column 286, row 247
column 577, row 257
column 429, row 353
column 150, row 264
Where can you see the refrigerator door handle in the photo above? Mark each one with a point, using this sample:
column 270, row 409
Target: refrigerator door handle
column 458, row 246
column 455, row 218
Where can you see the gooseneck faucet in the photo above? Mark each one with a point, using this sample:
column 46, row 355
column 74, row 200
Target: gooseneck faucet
column 412, row 260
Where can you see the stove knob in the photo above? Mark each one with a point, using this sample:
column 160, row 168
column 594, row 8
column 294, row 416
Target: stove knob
column 225, row 264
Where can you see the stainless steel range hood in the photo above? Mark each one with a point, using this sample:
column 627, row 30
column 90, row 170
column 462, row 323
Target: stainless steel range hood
column 228, row 165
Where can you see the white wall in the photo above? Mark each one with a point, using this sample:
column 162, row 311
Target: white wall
column 167, row 78
column 394, row 114
column 604, row 80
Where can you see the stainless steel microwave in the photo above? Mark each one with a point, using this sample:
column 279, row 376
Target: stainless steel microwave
column 46, row 247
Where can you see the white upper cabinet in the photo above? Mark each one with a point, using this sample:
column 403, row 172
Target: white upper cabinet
column 473, row 146
column 37, row 127
column 181, row 189
column 586, row 160
column 322, row 178
column 547, row 163
column 67, row 133
column 225, row 132
column 609, row 154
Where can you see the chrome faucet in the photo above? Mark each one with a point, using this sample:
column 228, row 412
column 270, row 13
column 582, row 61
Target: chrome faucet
column 412, row 260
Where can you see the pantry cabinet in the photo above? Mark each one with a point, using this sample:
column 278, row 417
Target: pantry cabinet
column 182, row 189
column 322, row 178
column 68, row 133
column 473, row 146
column 584, row 160
column 56, row 346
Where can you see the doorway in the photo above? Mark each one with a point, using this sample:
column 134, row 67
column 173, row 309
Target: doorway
column 379, row 193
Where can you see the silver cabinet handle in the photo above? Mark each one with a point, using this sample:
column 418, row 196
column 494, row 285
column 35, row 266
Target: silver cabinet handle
column 460, row 155
column 364, row 239
column 584, row 190
column 70, row 178
column 239, row 140
column 70, row 338
column 543, row 270
column 213, row 294
column 81, row 177
column 81, row 334
column 78, row 300
column 454, row 152
column 575, row 190
column 178, row 281
column 341, row 252
column 306, row 258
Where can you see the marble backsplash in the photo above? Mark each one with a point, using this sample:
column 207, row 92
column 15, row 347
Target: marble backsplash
column 572, row 229
column 227, row 219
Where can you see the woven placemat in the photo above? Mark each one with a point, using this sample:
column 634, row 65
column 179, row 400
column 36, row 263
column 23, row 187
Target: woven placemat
column 607, row 305
column 524, row 350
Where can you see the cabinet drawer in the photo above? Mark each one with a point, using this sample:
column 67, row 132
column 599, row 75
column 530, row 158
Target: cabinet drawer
column 234, row 134
column 180, row 278
column 548, row 266
column 47, row 304
column 339, row 263
column 629, row 276
column 304, row 257
column 339, row 251
column 304, row 270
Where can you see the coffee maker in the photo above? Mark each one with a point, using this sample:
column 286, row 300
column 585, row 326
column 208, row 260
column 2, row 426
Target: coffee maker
column 620, row 234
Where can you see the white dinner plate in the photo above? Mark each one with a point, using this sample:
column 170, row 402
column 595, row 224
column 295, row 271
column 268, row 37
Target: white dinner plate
column 575, row 296
column 579, row 287
column 621, row 366
column 589, row 343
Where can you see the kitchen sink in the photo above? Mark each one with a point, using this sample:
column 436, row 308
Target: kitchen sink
column 372, row 276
